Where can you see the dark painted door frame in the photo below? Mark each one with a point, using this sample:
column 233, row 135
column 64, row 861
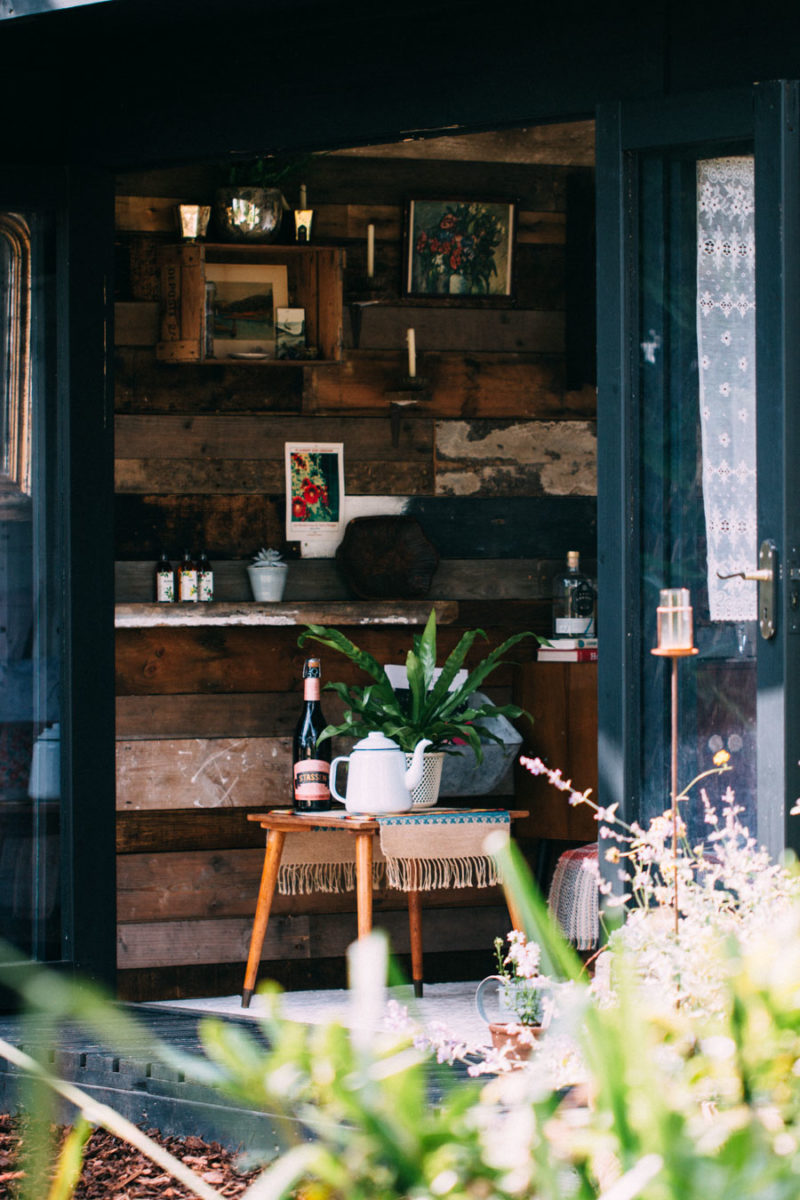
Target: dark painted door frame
column 766, row 115
column 82, row 202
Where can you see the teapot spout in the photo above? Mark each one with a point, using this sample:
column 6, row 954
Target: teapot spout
column 413, row 775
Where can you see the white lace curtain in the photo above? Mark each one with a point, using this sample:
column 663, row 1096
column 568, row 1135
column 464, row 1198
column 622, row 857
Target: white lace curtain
column 726, row 328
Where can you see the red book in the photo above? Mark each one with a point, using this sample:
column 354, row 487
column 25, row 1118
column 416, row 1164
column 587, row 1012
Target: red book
column 579, row 654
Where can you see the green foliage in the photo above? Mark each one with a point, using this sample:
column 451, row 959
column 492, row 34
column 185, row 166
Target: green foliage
column 268, row 170
column 679, row 1102
column 429, row 710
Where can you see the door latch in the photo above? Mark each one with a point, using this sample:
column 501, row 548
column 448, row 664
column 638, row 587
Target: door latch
column 765, row 576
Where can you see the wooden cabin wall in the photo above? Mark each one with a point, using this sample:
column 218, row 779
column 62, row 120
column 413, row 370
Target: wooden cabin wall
column 497, row 462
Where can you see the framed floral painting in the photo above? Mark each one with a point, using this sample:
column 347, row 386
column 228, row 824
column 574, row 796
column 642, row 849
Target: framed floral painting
column 459, row 248
column 314, row 489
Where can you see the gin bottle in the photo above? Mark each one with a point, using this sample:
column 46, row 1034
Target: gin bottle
column 574, row 600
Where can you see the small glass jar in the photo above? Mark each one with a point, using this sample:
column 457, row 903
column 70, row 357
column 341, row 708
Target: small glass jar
column 674, row 620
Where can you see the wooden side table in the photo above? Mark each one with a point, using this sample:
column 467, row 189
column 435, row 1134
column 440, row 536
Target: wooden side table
column 278, row 823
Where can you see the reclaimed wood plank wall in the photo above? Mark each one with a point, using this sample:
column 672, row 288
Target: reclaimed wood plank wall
column 497, row 463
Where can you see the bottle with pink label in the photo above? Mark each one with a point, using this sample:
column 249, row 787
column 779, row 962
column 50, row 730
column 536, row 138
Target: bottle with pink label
column 311, row 761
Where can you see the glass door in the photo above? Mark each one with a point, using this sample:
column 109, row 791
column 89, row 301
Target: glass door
column 57, row 902
column 31, row 909
column 697, row 437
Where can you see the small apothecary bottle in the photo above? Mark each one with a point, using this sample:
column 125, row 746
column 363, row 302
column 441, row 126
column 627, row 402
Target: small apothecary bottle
column 165, row 580
column 187, row 578
column 205, row 578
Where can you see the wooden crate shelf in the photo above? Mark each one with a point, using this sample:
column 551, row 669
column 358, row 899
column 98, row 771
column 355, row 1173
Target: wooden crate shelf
column 314, row 279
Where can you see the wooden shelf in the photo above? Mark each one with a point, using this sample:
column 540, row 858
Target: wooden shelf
column 314, row 280
column 305, row 612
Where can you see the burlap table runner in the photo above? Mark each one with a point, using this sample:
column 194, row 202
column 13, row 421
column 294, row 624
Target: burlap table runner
column 420, row 851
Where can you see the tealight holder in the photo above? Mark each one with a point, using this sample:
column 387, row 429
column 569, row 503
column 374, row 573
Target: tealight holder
column 674, row 623
column 193, row 220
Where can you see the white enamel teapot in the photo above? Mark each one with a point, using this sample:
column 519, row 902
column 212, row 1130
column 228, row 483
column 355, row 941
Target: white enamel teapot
column 377, row 779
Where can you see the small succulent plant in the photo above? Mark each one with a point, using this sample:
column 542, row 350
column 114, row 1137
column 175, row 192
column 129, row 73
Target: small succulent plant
column 268, row 558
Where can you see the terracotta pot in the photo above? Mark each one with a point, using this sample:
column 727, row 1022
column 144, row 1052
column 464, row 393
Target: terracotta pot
column 515, row 1041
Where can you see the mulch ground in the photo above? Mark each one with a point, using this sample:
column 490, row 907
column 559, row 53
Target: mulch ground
column 113, row 1170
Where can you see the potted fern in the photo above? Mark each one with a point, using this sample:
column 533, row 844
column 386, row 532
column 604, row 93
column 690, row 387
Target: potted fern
column 441, row 705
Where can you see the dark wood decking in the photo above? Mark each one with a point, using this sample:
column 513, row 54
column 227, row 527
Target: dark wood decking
column 135, row 1081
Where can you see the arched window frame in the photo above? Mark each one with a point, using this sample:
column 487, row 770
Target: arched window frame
column 15, row 348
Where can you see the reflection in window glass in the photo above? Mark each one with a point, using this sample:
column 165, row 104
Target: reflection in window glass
column 30, row 775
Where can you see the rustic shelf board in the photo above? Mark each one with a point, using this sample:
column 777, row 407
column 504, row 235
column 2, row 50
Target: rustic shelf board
column 383, row 612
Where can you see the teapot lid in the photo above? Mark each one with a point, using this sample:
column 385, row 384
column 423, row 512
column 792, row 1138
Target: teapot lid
column 376, row 741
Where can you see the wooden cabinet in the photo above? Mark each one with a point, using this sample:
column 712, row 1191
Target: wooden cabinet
column 562, row 698
column 310, row 277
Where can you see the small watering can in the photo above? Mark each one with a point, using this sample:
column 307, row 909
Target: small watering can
column 377, row 779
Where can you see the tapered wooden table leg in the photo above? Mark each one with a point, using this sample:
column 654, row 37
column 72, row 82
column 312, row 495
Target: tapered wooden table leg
column 415, row 929
column 515, row 915
column 269, row 877
column 364, row 882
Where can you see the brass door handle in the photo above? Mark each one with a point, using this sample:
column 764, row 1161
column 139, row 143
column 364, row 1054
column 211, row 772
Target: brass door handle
column 765, row 576
column 762, row 575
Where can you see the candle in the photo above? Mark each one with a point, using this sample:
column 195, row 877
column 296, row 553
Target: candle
column 412, row 353
column 370, row 251
column 674, row 615
column 303, row 197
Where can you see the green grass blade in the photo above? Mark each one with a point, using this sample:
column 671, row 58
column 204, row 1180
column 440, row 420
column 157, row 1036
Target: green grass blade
column 558, row 957
column 70, row 1161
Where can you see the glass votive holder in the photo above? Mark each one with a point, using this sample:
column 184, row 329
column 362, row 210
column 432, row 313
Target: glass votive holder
column 193, row 220
column 674, row 620
column 303, row 218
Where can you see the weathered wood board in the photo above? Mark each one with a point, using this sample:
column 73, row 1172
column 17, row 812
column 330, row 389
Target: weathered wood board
column 555, row 458
column 262, row 714
column 203, row 773
column 462, row 386
column 168, row 943
column 224, row 883
column 145, row 386
column 235, row 436
column 265, row 659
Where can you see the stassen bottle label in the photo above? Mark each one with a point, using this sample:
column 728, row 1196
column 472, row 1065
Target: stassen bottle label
column 311, row 780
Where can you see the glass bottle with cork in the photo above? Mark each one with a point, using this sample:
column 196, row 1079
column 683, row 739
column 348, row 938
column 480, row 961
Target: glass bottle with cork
column 165, row 580
column 205, row 579
column 311, row 762
column 187, row 578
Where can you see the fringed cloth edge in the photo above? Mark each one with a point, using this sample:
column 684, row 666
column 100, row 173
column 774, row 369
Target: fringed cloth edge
column 415, row 852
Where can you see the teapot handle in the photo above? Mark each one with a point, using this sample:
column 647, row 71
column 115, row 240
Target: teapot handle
column 479, row 996
column 332, row 779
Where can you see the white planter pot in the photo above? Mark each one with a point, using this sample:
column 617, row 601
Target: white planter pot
column 268, row 583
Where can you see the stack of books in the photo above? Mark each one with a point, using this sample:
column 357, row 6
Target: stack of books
column 568, row 649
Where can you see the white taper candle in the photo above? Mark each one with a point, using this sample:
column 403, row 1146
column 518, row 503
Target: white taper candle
column 370, row 251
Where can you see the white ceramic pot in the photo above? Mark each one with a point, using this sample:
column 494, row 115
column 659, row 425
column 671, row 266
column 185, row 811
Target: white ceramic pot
column 268, row 583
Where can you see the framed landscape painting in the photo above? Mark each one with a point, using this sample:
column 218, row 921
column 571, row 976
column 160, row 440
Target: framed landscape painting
column 242, row 299
column 459, row 248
